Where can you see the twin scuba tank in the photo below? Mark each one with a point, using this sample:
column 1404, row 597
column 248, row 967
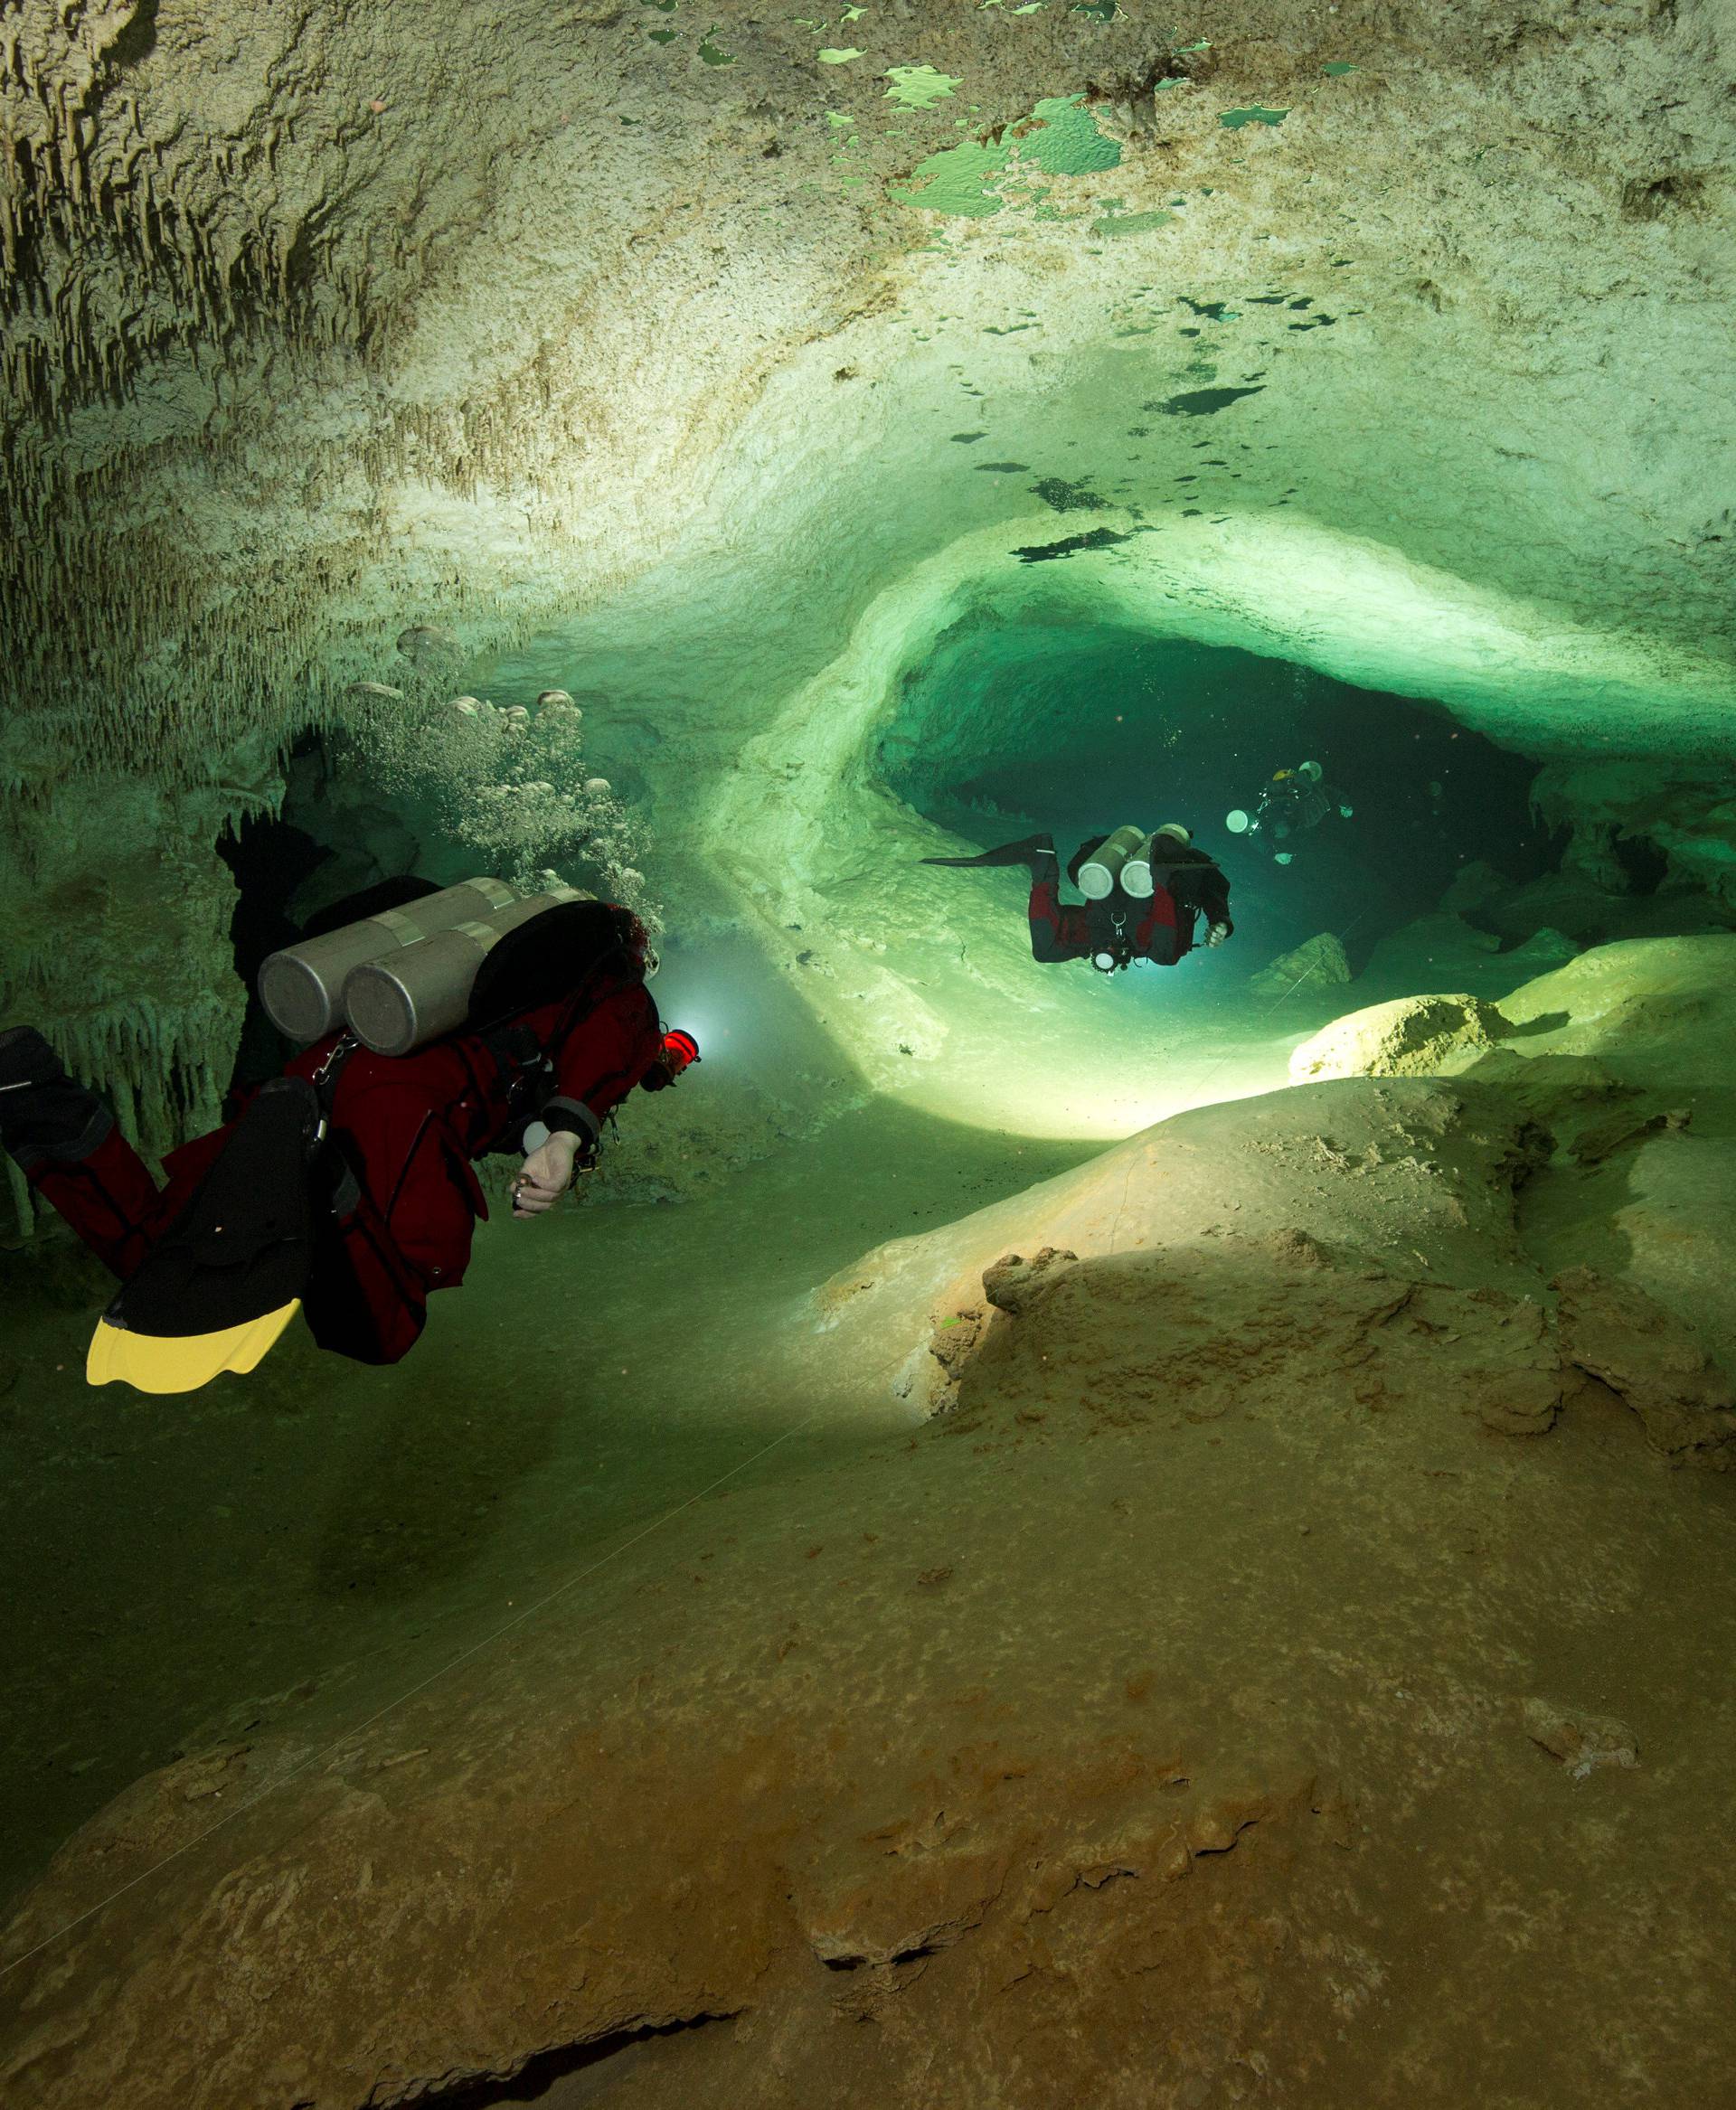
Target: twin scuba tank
column 1131, row 858
column 403, row 978
column 1128, row 856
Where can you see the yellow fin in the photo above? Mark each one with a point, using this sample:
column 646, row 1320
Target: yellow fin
column 157, row 1362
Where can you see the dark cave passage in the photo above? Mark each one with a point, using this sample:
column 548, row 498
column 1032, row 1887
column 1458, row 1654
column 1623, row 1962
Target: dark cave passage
column 332, row 837
column 269, row 859
column 1077, row 728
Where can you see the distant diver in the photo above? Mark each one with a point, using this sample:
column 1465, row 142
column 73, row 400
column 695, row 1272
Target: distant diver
column 446, row 1026
column 1143, row 896
column 1292, row 802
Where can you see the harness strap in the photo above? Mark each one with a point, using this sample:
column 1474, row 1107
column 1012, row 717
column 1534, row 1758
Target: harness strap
column 324, row 1078
column 344, row 1187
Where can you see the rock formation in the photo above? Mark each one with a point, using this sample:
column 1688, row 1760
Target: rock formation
column 1414, row 1037
column 1320, row 964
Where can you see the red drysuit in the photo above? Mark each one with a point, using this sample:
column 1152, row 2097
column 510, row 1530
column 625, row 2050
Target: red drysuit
column 1129, row 929
column 1160, row 929
column 407, row 1127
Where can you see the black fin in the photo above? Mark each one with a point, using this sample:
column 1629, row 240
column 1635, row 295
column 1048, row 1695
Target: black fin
column 43, row 1112
column 1033, row 851
column 243, row 1245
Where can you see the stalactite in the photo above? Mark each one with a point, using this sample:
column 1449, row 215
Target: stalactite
column 131, row 256
column 157, row 1069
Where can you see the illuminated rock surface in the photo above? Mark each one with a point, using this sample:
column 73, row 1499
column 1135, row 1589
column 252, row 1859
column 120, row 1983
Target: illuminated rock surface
column 1411, row 1038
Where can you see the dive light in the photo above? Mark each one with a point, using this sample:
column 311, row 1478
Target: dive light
column 677, row 1055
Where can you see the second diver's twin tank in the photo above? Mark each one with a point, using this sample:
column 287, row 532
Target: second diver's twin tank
column 403, row 978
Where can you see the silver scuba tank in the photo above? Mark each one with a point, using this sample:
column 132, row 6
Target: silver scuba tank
column 302, row 985
column 399, row 1002
column 1136, row 874
column 1157, row 853
column 1099, row 871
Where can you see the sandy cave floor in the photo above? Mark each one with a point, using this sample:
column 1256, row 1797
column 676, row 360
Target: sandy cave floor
column 175, row 1564
column 172, row 1562
column 594, row 1371
column 1236, row 1696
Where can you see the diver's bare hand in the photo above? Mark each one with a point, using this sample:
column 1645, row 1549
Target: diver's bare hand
column 546, row 1175
column 1217, row 933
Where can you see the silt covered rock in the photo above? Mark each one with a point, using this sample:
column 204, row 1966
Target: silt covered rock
column 1413, row 1036
column 1318, row 964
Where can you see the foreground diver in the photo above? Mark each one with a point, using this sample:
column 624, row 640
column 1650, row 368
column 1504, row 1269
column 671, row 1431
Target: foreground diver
column 1289, row 804
column 1142, row 895
column 345, row 1185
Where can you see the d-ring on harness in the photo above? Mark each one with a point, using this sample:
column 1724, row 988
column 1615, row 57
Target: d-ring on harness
column 1111, row 959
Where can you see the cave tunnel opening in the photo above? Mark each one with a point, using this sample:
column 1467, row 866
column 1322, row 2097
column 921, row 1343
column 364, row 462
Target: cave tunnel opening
column 269, row 858
column 331, row 836
column 1077, row 728
column 1642, row 863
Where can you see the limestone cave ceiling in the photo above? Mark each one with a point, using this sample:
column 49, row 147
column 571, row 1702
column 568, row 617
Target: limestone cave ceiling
column 743, row 351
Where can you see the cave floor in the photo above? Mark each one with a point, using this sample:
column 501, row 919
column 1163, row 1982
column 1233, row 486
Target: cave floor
column 1283, row 1645
column 340, row 1533
column 176, row 1559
